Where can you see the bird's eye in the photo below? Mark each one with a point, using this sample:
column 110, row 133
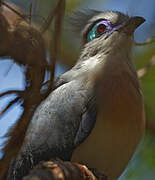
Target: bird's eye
column 96, row 31
column 101, row 28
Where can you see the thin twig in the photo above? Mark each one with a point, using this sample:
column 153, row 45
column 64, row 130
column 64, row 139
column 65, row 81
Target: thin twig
column 30, row 15
column 23, row 16
column 9, row 68
column 56, row 35
column 56, row 41
column 52, row 14
column 18, row 92
column 9, row 105
column 141, row 72
column 149, row 41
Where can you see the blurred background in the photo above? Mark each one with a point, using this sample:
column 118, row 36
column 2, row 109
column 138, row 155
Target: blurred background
column 142, row 165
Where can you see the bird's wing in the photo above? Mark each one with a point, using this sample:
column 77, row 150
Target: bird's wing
column 87, row 121
column 88, row 116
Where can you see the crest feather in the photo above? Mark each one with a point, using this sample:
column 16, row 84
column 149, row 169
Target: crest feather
column 79, row 20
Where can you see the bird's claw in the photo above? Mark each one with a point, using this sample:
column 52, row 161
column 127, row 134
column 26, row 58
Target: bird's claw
column 86, row 172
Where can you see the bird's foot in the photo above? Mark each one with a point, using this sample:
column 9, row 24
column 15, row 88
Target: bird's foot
column 60, row 170
column 86, row 172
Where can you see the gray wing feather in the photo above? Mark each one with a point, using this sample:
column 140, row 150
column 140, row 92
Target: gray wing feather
column 88, row 117
column 87, row 122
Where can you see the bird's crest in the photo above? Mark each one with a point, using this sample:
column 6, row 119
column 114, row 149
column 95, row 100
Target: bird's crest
column 80, row 19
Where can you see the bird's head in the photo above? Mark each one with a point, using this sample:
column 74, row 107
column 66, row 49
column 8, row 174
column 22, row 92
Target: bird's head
column 104, row 31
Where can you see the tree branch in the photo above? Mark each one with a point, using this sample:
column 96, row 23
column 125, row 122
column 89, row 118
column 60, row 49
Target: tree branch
column 141, row 72
column 61, row 170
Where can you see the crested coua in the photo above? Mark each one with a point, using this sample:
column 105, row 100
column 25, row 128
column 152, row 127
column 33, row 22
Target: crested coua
column 96, row 105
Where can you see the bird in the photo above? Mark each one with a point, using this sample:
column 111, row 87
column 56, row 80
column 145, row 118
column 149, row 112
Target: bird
column 97, row 104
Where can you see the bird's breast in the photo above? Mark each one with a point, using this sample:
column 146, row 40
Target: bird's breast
column 118, row 129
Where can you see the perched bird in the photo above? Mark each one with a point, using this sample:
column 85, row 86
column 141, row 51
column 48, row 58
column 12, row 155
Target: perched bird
column 98, row 103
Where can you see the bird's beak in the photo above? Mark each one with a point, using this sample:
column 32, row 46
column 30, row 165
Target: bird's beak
column 131, row 25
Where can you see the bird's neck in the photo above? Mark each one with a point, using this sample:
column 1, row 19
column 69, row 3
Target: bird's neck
column 111, row 62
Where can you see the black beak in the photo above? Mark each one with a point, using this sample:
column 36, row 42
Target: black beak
column 130, row 25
